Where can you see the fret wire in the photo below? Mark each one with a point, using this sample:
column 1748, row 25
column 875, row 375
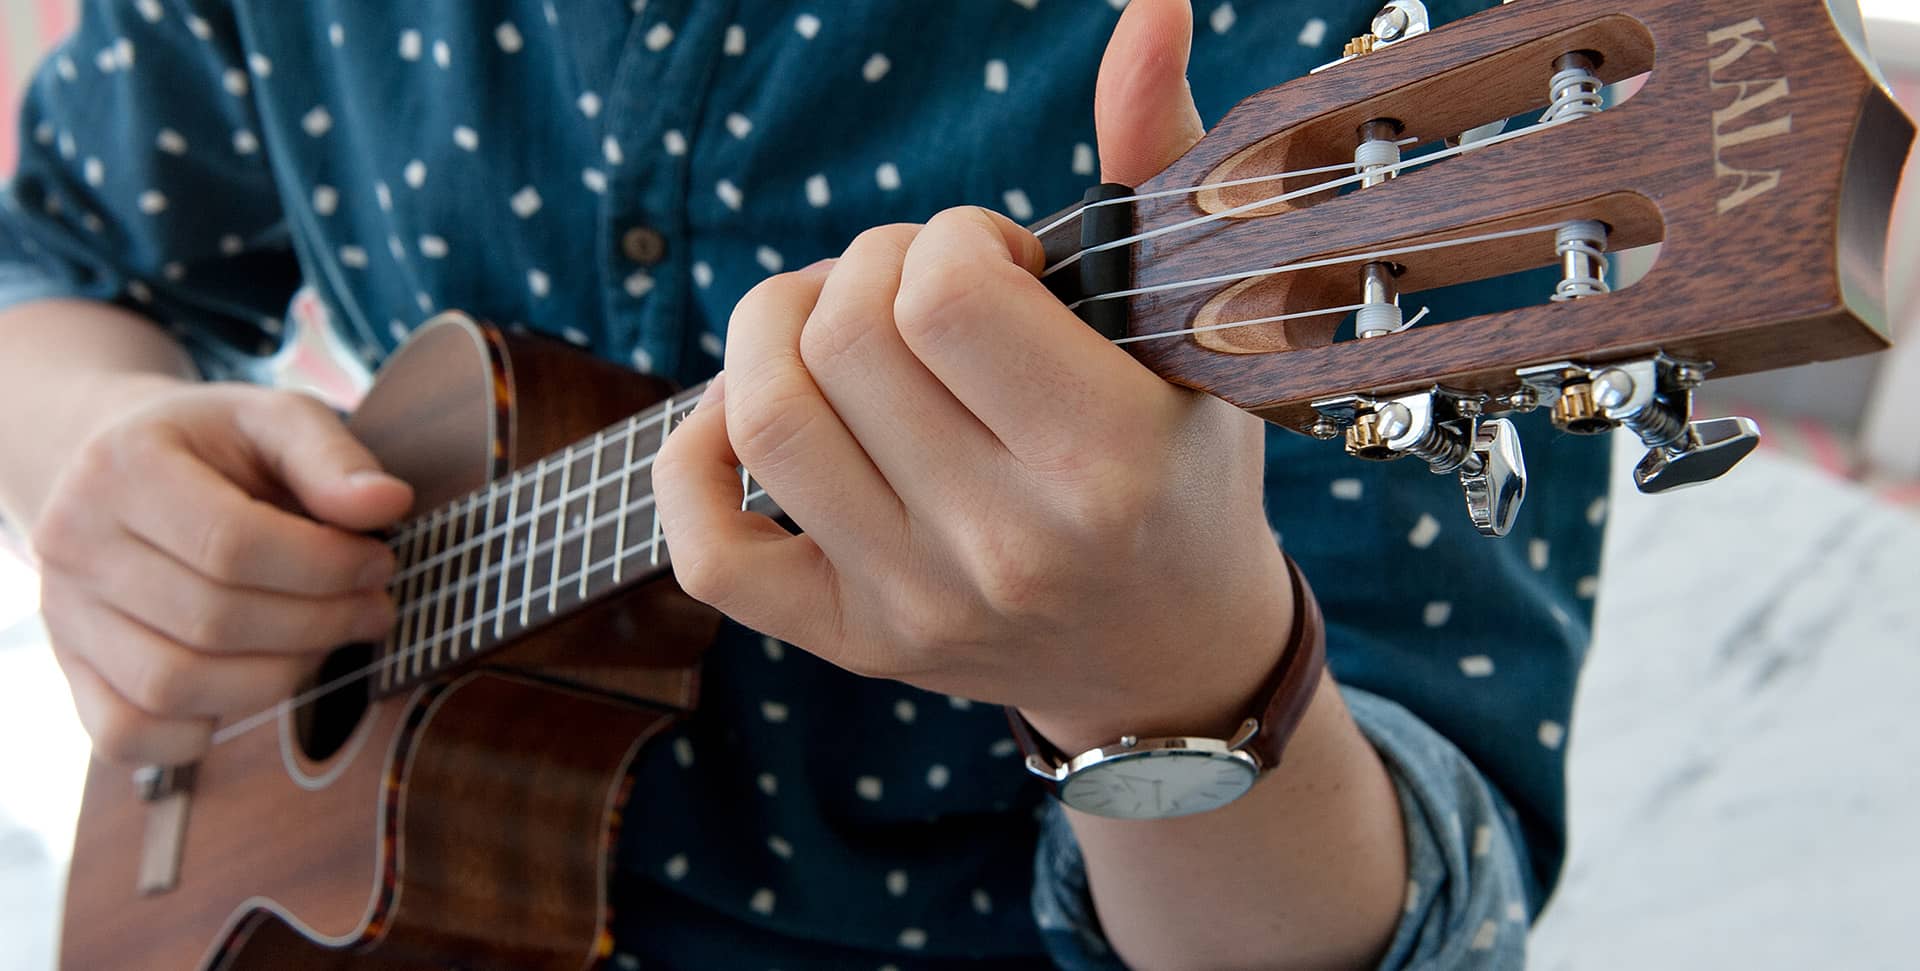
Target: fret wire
column 466, row 555
column 440, row 602
column 533, row 538
column 626, row 482
column 506, row 561
column 409, row 592
column 593, row 492
column 416, row 630
column 746, row 487
column 559, row 529
column 486, row 561
column 666, row 428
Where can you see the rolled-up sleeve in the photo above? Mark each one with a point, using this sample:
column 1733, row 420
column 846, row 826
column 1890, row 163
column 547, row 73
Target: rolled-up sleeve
column 143, row 181
column 1466, row 904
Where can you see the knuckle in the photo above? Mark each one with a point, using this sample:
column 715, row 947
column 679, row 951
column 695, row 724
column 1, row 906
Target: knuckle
column 832, row 334
column 1015, row 580
column 222, row 550
column 767, row 420
column 208, row 625
column 163, row 686
column 701, row 575
column 935, row 299
column 117, row 731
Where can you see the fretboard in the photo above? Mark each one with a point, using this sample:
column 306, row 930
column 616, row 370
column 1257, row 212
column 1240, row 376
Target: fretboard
column 533, row 547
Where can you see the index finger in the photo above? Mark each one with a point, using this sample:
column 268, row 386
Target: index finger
column 196, row 515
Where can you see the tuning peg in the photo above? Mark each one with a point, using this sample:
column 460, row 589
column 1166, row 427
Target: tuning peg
column 1707, row 451
column 1495, row 481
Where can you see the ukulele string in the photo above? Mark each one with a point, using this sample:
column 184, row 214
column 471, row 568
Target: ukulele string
column 1394, row 168
column 228, row 732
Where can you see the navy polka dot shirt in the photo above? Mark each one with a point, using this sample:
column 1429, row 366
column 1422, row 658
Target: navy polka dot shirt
column 617, row 174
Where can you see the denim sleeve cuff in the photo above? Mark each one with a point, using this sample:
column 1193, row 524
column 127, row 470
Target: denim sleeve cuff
column 1465, row 906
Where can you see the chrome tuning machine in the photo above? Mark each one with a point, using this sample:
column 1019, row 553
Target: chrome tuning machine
column 1445, row 430
column 1653, row 398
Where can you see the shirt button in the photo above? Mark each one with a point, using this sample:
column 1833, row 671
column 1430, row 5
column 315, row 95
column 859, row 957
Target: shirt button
column 643, row 245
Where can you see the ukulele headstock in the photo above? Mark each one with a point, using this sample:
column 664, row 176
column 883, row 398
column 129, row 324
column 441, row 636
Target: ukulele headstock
column 1761, row 154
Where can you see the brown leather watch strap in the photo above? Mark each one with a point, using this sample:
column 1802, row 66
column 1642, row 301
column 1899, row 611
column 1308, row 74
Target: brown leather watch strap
column 1278, row 706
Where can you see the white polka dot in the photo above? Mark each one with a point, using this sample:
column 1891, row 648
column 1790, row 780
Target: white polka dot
column 139, row 291
column 913, row 939
column 410, row 45
column 625, row 962
column 433, row 247
column 729, row 194
column 1483, row 938
column 959, row 703
column 466, row 137
column 713, row 344
column 682, row 746
column 123, row 52
column 425, row 301
column 780, row 848
column 589, row 104
column 806, row 25
column 383, row 196
column 773, row 648
column 1597, row 511
column 1349, row 490
column 43, row 133
column 769, row 259
column 1476, row 666
column 1537, row 551
column 736, row 41
column 996, row 75
column 739, row 125
column 773, row 711
column 526, row 202
column 938, row 776
column 1436, row 613
column 1413, row 896
column 702, row 275
column 897, row 882
column 768, row 783
column 231, row 245
column 336, row 35
column 1552, row 734
column 174, row 270
column 397, row 248
column 260, row 65
column 1222, row 19
column 642, row 361
column 1003, row 748
column 68, row 148
column 150, row 9
column 106, row 60
column 887, row 176
column 317, row 121
column 244, row 142
column 508, row 37
column 876, row 67
column 610, row 150
column 1018, row 205
column 1482, row 840
column 659, row 37
column 397, row 329
column 199, row 26
column 638, row 284
column 353, row 256
column 868, row 787
column 1424, row 532
column 676, row 866
column 538, row 282
column 1516, row 912
column 1084, row 161
column 553, row 16
column 415, row 173
column 326, row 199
column 1313, row 33
column 905, row 711
column 762, row 902
column 152, row 202
column 1029, row 4
column 94, row 171
column 982, row 903
column 1586, row 587
column 442, row 54
column 170, row 142
column 64, row 66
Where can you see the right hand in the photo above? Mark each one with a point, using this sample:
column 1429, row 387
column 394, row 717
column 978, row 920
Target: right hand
column 201, row 554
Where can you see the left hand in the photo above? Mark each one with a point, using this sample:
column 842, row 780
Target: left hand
column 997, row 502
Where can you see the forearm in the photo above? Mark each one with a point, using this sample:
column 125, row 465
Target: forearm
column 66, row 367
column 1308, row 869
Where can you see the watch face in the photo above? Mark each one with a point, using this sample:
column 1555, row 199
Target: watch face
column 1157, row 785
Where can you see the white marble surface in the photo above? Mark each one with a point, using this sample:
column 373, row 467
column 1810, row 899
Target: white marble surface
column 1743, row 754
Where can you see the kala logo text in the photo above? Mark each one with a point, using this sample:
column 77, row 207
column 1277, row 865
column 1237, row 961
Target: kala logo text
column 1749, row 94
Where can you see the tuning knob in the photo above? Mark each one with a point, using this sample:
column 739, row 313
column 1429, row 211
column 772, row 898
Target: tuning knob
column 1707, row 450
column 1495, row 479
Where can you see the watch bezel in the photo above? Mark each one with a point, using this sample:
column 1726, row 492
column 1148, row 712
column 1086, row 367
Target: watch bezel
column 1113, row 757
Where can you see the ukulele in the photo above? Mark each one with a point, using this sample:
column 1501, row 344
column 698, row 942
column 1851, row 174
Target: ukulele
column 451, row 797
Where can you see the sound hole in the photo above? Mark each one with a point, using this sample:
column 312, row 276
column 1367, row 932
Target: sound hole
column 326, row 723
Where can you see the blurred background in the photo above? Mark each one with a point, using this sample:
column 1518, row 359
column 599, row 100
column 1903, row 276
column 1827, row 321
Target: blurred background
column 1742, row 756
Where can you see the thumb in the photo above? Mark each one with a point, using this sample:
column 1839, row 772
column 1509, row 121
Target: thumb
column 1142, row 107
column 333, row 477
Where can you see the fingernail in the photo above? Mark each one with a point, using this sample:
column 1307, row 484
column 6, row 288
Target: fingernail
column 821, row 266
column 367, row 477
column 712, row 397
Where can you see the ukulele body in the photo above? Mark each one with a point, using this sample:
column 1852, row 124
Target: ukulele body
column 468, row 822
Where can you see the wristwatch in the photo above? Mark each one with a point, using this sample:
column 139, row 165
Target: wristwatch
column 1160, row 778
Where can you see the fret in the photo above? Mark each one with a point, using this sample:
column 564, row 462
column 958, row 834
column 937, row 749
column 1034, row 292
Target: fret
column 626, row 483
column 459, row 591
column 506, row 563
column 423, row 599
column 533, row 541
column 746, row 487
column 559, row 532
column 593, row 492
column 407, row 604
column 445, row 590
column 486, row 567
column 666, row 426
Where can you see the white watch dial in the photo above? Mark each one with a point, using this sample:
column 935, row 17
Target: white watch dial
column 1158, row 785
